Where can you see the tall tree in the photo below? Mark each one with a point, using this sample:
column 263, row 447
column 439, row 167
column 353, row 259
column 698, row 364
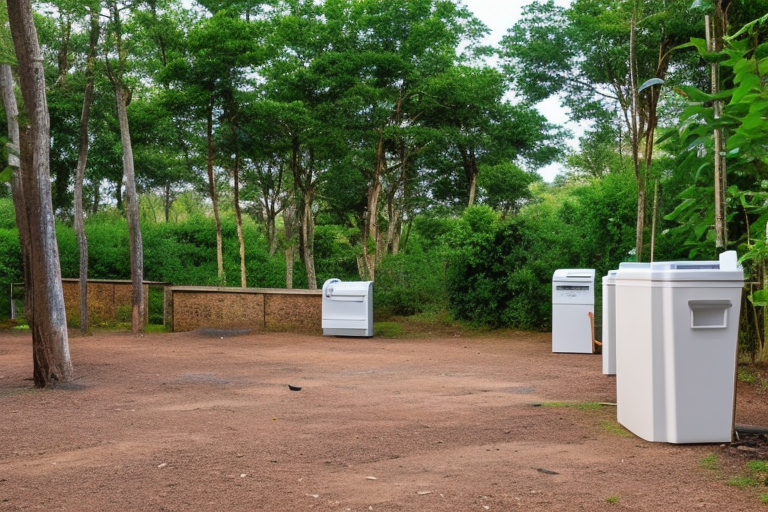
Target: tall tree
column 82, row 160
column 45, row 298
column 584, row 53
column 116, row 73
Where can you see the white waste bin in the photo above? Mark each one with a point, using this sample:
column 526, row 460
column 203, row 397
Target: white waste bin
column 573, row 299
column 676, row 331
column 347, row 308
column 609, row 316
column 609, row 323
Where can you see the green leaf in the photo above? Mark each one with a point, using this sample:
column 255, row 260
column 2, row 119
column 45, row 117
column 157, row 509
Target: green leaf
column 748, row 83
column 681, row 208
column 6, row 175
column 650, row 83
column 759, row 298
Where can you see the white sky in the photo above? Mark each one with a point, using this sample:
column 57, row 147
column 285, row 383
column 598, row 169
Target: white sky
column 499, row 16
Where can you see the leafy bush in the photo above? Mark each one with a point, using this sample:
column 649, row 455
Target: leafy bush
column 411, row 283
column 334, row 254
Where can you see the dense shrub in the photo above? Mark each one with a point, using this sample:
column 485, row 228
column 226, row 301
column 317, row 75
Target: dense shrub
column 411, row 282
column 334, row 254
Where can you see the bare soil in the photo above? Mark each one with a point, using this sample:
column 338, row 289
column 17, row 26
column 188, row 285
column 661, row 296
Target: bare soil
column 449, row 422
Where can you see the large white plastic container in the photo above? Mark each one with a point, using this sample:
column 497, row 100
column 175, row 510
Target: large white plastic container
column 573, row 298
column 609, row 323
column 676, row 330
column 347, row 308
column 609, row 316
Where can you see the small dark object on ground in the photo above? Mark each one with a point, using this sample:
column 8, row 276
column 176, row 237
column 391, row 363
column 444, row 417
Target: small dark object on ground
column 547, row 471
column 294, row 388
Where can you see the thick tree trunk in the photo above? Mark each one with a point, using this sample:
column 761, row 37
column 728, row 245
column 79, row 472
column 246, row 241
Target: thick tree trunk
column 82, row 160
column 50, row 341
column 214, row 198
column 134, row 228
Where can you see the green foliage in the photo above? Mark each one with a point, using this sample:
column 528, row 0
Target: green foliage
column 10, row 267
column 334, row 255
column 411, row 283
column 710, row 462
column 498, row 274
column 7, row 214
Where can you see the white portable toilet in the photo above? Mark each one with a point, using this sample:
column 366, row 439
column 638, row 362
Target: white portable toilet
column 677, row 333
column 347, row 308
column 573, row 299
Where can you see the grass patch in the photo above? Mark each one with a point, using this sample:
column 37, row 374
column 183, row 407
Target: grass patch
column 584, row 406
column 764, row 499
column 612, row 499
column 710, row 462
column 750, row 374
column 758, row 467
column 613, row 427
column 387, row 329
column 742, row 482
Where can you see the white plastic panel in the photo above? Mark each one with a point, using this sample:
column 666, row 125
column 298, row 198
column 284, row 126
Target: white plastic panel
column 347, row 308
column 676, row 343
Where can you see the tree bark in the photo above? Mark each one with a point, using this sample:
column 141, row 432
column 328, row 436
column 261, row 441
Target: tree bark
column 714, row 35
column 304, row 192
column 239, row 220
column 214, row 198
column 635, row 133
column 122, row 99
column 17, row 191
column 82, row 160
column 371, row 232
column 50, row 340
column 134, row 228
column 289, row 219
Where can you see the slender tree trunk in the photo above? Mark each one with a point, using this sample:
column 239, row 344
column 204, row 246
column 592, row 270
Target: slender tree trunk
column 371, row 232
column 82, row 160
column 167, row 202
column 239, row 220
column 308, row 232
column 289, row 219
column 214, row 198
column 134, row 228
column 50, row 341
column 654, row 214
column 640, row 226
column 715, row 43
column 17, row 190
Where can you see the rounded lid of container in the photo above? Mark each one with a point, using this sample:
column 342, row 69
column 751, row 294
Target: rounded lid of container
column 681, row 271
column 574, row 274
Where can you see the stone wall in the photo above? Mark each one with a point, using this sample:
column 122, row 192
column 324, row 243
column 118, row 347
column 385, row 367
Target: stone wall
column 109, row 301
column 192, row 307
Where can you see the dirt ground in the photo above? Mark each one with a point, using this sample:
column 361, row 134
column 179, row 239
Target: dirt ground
column 198, row 421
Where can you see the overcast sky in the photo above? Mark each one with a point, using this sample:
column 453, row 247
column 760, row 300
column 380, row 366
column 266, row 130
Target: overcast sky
column 499, row 16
